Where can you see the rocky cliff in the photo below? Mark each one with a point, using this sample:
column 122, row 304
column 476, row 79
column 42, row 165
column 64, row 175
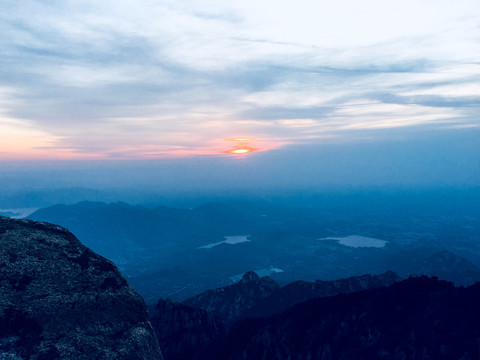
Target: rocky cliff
column 59, row 300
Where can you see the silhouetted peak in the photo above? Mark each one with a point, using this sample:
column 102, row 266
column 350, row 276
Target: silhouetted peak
column 450, row 266
column 230, row 302
column 448, row 257
column 250, row 276
column 389, row 274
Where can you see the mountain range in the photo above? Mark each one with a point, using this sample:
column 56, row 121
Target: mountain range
column 418, row 318
column 167, row 252
column 60, row 300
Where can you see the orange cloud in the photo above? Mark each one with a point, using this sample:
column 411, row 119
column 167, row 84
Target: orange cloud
column 20, row 141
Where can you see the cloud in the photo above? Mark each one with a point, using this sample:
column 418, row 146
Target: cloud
column 128, row 78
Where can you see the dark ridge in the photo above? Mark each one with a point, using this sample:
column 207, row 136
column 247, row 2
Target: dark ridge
column 253, row 296
column 183, row 330
column 418, row 318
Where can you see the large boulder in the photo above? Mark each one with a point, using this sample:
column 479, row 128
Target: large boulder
column 60, row 300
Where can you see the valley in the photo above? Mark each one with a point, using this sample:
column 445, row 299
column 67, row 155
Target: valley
column 168, row 252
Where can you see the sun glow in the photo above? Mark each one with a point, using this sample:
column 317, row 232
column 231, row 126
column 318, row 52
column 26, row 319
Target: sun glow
column 242, row 146
column 240, row 151
column 241, row 139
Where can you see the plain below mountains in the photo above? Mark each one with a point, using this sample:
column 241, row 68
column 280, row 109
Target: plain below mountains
column 177, row 253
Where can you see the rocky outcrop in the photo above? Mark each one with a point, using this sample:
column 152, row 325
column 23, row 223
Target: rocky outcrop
column 182, row 330
column 418, row 318
column 60, row 300
column 230, row 303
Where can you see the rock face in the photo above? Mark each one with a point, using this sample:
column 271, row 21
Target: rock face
column 182, row 330
column 59, row 300
column 230, row 303
column 418, row 318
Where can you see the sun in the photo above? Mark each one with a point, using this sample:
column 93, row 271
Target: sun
column 240, row 151
column 241, row 146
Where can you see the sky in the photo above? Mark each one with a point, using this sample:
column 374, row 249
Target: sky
column 297, row 93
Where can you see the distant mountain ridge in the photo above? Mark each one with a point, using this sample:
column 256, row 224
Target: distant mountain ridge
column 300, row 291
column 262, row 297
column 231, row 302
column 449, row 266
column 113, row 228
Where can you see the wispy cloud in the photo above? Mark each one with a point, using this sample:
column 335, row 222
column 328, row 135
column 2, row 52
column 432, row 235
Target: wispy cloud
column 132, row 79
